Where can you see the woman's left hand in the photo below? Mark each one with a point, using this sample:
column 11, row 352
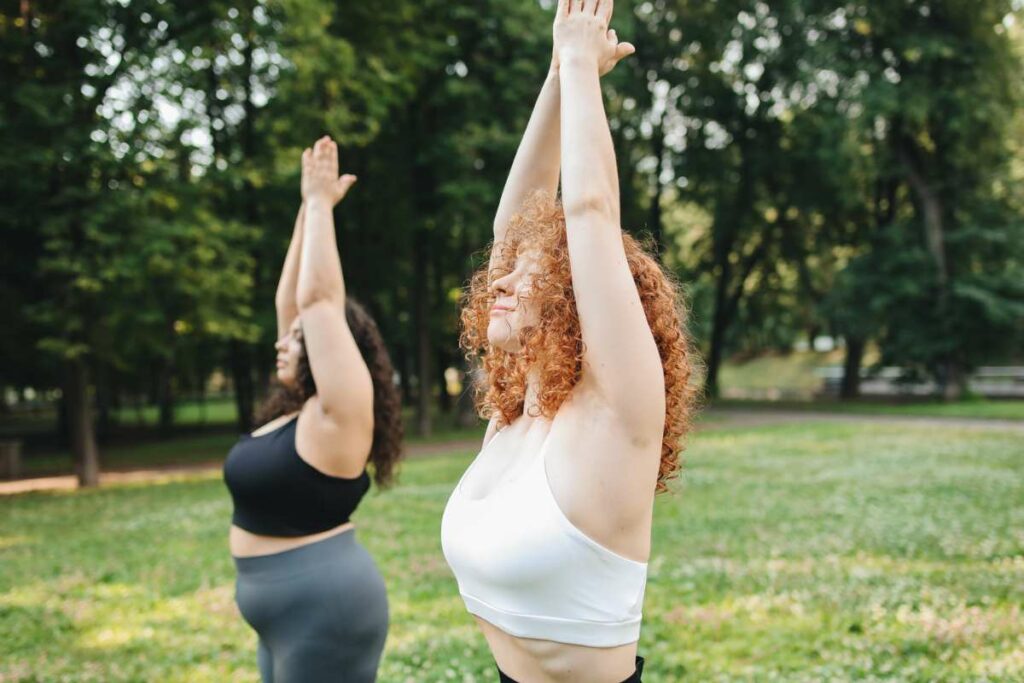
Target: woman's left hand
column 320, row 181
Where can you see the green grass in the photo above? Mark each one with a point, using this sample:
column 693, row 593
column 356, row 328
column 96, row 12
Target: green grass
column 789, row 553
column 219, row 410
column 969, row 408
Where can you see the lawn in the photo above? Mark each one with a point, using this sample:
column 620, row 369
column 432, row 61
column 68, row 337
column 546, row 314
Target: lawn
column 979, row 409
column 788, row 553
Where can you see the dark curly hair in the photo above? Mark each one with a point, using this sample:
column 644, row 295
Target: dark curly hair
column 555, row 346
column 386, row 450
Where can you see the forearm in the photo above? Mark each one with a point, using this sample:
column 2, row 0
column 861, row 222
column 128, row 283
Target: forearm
column 538, row 159
column 285, row 299
column 589, row 174
column 319, row 277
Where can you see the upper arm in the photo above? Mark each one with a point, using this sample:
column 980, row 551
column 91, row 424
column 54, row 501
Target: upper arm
column 341, row 417
column 621, row 360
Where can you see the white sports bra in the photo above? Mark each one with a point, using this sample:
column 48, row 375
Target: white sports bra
column 524, row 567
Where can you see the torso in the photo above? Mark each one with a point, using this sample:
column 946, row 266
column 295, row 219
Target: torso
column 589, row 457
column 244, row 543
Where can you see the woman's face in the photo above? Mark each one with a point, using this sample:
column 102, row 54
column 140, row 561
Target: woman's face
column 513, row 310
column 289, row 351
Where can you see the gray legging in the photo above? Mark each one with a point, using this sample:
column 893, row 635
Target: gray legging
column 320, row 610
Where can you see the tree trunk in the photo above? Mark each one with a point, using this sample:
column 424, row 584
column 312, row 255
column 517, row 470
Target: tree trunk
column 655, row 220
column 201, row 393
column 421, row 317
column 63, row 420
column 466, row 404
column 241, row 374
column 83, row 436
column 954, row 381
column 719, row 327
column 404, row 372
column 850, row 387
column 103, row 400
column 952, row 374
column 165, row 395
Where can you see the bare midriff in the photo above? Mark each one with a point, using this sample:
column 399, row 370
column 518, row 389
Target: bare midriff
column 247, row 544
column 545, row 661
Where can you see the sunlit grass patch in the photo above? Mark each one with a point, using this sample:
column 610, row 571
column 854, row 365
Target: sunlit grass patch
column 789, row 553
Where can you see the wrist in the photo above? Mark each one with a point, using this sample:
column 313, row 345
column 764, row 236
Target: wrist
column 318, row 201
column 575, row 59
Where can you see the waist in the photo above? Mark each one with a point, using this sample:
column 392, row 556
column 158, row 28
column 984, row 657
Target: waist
column 245, row 544
column 529, row 659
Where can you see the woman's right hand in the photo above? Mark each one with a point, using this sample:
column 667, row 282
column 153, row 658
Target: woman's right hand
column 581, row 30
column 320, row 181
column 622, row 50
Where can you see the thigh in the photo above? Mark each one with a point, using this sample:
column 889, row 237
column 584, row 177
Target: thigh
column 265, row 663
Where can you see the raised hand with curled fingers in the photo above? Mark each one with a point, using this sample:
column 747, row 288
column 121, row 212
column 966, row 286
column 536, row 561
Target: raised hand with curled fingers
column 320, row 179
column 581, row 32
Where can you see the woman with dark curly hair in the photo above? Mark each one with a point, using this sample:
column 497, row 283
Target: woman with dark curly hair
column 587, row 367
column 306, row 586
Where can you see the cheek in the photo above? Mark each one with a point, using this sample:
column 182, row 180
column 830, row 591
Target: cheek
column 528, row 313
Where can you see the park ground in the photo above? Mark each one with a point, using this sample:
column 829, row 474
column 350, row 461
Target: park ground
column 830, row 548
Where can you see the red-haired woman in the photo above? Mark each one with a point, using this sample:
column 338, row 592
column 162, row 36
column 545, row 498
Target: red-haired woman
column 305, row 584
column 587, row 366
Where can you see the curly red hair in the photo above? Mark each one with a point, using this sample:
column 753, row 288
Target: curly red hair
column 554, row 347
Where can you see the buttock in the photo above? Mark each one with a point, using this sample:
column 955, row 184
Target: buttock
column 635, row 678
column 323, row 584
column 318, row 609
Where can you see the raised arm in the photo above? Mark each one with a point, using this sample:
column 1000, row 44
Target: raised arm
column 285, row 301
column 621, row 360
column 538, row 159
column 342, row 417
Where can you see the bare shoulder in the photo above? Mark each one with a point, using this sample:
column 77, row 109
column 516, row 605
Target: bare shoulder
column 334, row 448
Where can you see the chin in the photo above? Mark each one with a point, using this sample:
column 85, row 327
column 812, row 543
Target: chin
column 503, row 341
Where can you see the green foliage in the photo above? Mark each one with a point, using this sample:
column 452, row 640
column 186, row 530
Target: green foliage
column 153, row 152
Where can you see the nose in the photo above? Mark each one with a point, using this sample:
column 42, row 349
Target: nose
column 280, row 345
column 502, row 286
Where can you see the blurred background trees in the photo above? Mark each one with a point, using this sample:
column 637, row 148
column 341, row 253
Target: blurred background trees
column 809, row 169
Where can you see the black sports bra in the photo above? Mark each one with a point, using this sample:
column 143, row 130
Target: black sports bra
column 277, row 493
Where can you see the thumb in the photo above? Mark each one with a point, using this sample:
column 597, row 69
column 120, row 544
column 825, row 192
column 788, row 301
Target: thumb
column 623, row 50
column 345, row 183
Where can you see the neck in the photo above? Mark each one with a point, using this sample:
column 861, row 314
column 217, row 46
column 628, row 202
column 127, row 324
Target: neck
column 530, row 406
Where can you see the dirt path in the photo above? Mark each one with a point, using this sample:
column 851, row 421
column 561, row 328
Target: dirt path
column 712, row 421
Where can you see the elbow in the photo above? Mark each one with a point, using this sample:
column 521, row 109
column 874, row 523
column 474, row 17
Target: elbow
column 284, row 300
column 590, row 205
column 314, row 297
